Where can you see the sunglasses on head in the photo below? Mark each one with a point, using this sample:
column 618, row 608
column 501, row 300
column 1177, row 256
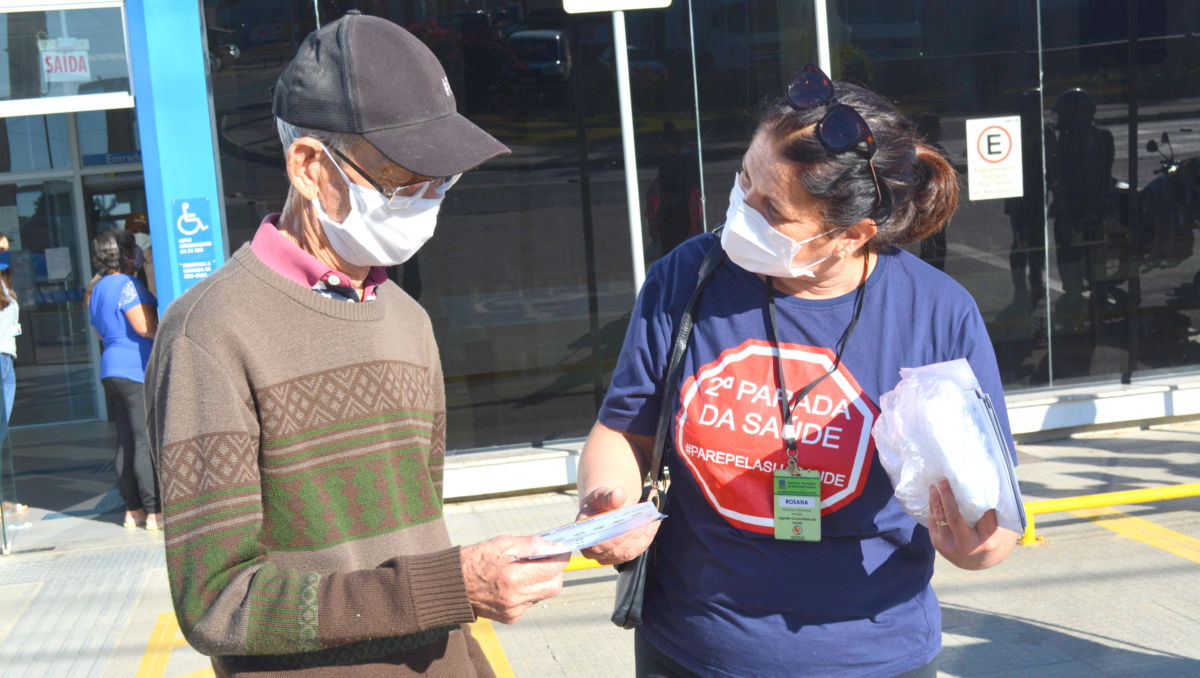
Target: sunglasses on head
column 842, row 128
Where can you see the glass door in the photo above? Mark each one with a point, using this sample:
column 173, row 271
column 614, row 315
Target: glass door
column 110, row 199
column 54, row 371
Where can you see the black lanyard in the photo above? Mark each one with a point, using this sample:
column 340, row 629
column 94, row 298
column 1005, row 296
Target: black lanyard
column 786, row 406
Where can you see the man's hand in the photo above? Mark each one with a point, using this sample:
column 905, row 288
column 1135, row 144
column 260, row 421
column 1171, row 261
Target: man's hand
column 625, row 547
column 971, row 548
column 502, row 587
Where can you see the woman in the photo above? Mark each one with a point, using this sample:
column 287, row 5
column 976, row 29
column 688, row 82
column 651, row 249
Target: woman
column 125, row 316
column 814, row 291
column 10, row 327
column 138, row 224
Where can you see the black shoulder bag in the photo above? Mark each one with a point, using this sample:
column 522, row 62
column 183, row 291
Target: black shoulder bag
column 631, row 580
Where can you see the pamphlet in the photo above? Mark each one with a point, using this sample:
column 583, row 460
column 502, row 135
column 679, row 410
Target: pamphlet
column 598, row 528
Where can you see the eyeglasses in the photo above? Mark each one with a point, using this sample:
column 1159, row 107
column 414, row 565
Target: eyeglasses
column 842, row 128
column 403, row 196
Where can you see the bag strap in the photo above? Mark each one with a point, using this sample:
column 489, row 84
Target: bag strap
column 711, row 261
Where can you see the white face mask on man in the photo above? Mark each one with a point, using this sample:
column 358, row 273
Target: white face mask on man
column 752, row 244
column 374, row 233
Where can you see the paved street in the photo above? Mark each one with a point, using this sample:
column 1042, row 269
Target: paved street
column 1112, row 591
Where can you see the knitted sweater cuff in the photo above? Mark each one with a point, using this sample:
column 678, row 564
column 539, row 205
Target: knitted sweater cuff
column 407, row 594
column 437, row 589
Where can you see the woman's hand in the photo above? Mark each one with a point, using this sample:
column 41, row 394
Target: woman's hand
column 625, row 547
column 971, row 548
column 611, row 468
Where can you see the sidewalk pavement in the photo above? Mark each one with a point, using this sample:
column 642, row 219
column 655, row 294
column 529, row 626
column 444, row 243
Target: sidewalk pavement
column 1112, row 592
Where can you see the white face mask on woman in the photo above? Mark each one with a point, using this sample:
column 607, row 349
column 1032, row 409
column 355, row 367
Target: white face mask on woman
column 375, row 234
column 752, row 244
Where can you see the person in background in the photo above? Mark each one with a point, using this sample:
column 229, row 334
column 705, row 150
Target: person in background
column 10, row 327
column 674, row 195
column 125, row 316
column 1081, row 184
column 1027, row 214
column 139, row 225
column 797, row 336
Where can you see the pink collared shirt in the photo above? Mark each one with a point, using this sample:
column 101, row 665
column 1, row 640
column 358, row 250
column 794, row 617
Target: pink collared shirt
column 285, row 258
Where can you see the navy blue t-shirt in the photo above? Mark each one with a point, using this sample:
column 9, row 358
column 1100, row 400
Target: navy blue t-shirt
column 125, row 352
column 727, row 598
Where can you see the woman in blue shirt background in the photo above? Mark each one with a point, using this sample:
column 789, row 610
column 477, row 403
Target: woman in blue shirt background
column 125, row 316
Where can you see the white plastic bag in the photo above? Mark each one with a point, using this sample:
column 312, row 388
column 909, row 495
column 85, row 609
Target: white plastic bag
column 937, row 424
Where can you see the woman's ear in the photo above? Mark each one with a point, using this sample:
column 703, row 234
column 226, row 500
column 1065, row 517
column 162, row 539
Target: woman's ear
column 858, row 235
column 303, row 162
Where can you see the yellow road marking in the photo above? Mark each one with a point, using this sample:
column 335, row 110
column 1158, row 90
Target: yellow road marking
column 486, row 636
column 1149, row 533
column 581, row 563
column 165, row 638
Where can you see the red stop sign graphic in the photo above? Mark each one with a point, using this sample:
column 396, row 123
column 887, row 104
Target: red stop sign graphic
column 728, row 430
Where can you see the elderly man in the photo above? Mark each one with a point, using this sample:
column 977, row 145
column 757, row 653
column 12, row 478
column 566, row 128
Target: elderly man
column 297, row 410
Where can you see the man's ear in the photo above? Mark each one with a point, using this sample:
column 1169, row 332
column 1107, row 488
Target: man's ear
column 303, row 162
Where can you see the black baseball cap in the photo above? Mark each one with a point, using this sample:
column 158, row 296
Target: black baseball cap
column 366, row 75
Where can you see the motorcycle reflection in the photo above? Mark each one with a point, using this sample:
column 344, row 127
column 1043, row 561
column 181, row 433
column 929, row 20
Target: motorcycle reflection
column 1168, row 209
column 1117, row 252
column 1168, row 214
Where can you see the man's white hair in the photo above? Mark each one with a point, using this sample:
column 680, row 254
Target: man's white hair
column 337, row 141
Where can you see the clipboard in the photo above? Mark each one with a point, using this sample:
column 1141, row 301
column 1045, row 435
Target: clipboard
column 999, row 449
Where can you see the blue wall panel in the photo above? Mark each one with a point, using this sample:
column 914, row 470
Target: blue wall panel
column 179, row 160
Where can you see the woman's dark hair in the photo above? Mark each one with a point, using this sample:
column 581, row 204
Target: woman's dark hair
column 918, row 184
column 113, row 252
column 7, row 294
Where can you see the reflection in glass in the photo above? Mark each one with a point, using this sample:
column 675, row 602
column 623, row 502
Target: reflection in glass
column 947, row 62
column 62, row 53
column 528, row 282
column 527, row 298
column 108, row 137
column 1027, row 214
column 673, row 205
column 1080, row 181
column 264, row 36
column 1086, row 329
column 35, row 142
column 109, row 200
column 54, row 375
column 1162, row 228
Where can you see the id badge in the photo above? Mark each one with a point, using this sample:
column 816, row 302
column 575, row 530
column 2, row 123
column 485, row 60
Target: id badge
column 797, row 500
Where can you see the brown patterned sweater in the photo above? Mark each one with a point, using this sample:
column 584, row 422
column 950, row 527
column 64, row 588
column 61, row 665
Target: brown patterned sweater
column 300, row 442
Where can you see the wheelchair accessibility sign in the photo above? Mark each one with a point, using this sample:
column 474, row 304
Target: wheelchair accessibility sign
column 193, row 238
column 188, row 222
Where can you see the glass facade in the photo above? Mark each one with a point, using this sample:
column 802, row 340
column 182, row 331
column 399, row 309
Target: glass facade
column 63, row 53
column 63, row 179
column 33, row 143
column 1090, row 275
column 54, row 360
column 58, row 188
